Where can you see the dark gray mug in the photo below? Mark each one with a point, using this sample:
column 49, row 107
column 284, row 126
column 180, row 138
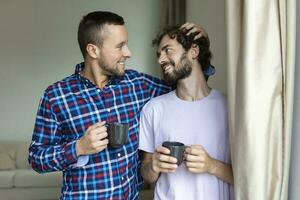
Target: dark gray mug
column 176, row 150
column 117, row 134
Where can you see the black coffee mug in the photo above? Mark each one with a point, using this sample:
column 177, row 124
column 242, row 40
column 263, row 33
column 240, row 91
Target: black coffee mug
column 117, row 134
column 176, row 150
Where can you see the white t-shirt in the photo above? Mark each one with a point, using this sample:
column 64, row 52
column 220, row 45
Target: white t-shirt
column 203, row 122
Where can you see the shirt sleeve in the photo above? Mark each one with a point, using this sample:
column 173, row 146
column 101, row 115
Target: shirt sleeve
column 146, row 132
column 48, row 151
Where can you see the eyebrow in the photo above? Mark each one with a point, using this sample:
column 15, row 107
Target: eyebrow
column 162, row 49
column 122, row 43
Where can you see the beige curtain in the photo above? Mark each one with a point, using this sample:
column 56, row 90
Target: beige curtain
column 261, row 56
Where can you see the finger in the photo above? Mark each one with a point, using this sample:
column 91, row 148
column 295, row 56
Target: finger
column 166, row 158
column 193, row 30
column 99, row 129
column 166, row 166
column 100, row 124
column 95, row 126
column 167, row 170
column 193, row 158
column 200, row 30
column 101, row 135
column 98, row 145
column 101, row 143
column 97, row 135
column 192, row 150
column 184, row 25
column 189, row 25
column 198, row 36
column 163, row 150
column 195, row 150
column 199, row 165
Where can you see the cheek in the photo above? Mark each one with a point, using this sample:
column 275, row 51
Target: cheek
column 175, row 59
column 116, row 56
column 111, row 59
column 176, row 62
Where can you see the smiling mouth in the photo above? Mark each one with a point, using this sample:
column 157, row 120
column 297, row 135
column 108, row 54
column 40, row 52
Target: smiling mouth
column 168, row 68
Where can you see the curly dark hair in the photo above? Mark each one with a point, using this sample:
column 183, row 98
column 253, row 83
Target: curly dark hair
column 187, row 41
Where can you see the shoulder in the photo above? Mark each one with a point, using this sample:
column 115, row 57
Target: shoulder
column 158, row 103
column 131, row 74
column 219, row 100
column 217, row 95
column 61, row 87
column 148, row 82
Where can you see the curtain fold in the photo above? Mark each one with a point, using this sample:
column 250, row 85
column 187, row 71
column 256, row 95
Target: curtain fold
column 261, row 59
column 294, row 174
column 174, row 12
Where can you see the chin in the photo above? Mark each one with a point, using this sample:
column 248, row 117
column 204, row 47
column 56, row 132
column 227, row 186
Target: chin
column 120, row 73
column 121, row 69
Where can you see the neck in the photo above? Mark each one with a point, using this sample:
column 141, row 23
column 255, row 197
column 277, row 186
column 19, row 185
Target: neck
column 193, row 87
column 94, row 73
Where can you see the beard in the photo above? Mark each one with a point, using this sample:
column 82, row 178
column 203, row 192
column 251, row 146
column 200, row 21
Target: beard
column 110, row 71
column 183, row 70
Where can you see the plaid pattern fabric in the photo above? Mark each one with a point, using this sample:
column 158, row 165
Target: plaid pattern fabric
column 67, row 109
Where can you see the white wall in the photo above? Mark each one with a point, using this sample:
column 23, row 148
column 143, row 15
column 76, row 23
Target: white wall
column 211, row 15
column 38, row 46
column 294, row 182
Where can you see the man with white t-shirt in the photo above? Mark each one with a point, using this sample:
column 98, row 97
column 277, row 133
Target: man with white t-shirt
column 193, row 114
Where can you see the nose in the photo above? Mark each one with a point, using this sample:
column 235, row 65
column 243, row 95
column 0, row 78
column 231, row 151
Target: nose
column 162, row 58
column 127, row 52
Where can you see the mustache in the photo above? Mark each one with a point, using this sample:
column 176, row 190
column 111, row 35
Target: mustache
column 167, row 63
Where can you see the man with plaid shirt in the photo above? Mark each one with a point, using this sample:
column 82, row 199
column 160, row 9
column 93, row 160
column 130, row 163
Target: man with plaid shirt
column 70, row 132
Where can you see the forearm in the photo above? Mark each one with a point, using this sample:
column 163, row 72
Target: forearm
column 148, row 174
column 47, row 158
column 222, row 171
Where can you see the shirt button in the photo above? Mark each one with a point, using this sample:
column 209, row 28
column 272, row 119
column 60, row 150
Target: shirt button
column 119, row 154
column 122, row 178
column 98, row 90
column 108, row 110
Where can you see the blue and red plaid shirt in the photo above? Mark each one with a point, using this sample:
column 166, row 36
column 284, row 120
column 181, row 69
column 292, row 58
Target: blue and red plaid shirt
column 67, row 109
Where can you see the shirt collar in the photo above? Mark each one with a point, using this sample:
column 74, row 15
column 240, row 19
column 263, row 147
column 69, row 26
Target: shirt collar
column 114, row 80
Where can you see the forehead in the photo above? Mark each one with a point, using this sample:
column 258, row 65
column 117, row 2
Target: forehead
column 167, row 41
column 115, row 33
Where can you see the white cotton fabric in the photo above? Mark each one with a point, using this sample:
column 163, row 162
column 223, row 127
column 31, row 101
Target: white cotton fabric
column 203, row 122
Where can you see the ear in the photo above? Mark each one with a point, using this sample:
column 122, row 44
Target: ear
column 194, row 50
column 92, row 50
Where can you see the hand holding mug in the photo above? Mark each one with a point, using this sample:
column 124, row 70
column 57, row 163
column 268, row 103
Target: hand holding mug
column 176, row 150
column 198, row 160
column 93, row 141
column 162, row 161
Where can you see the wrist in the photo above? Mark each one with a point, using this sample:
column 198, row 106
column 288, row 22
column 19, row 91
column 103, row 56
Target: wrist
column 154, row 173
column 213, row 166
column 79, row 151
